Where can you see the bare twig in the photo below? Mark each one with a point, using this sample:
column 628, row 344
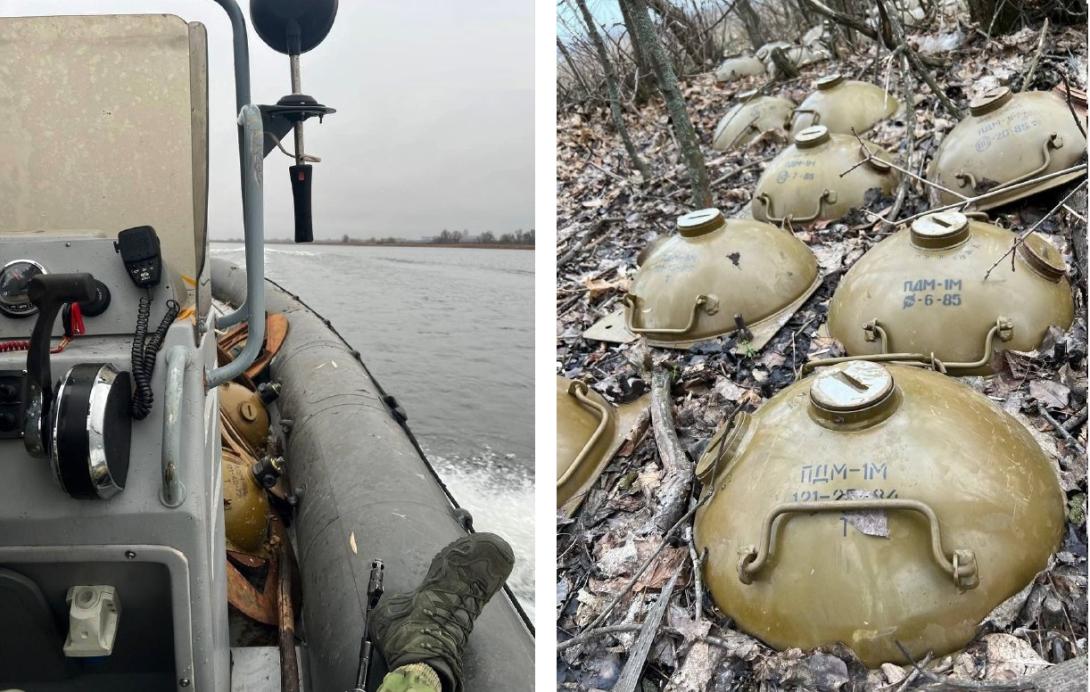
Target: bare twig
column 1025, row 234
column 920, row 68
column 1028, row 81
column 643, row 568
column 843, row 19
column 949, row 684
column 989, row 194
column 1071, row 106
column 698, row 567
column 735, row 171
column 1076, row 422
column 590, row 634
column 914, row 673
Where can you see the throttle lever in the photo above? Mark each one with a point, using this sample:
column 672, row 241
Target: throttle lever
column 49, row 293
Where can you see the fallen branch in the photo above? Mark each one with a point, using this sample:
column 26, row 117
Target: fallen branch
column 637, row 657
column 677, row 470
column 1061, row 429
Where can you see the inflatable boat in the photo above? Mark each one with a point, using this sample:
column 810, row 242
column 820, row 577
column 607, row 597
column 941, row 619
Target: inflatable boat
column 206, row 487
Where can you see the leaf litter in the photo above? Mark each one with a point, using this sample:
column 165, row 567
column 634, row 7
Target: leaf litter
column 605, row 217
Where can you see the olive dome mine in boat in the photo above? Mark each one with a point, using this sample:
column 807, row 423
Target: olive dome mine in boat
column 589, row 430
column 871, row 505
column 1008, row 139
column 927, row 290
column 245, row 414
column 821, row 177
column 751, row 117
column 844, row 106
column 712, row 278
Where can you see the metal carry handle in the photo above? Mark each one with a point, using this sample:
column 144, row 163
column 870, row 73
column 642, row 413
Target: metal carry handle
column 1003, row 329
column 1054, row 141
column 579, row 391
column 806, row 111
column 960, row 564
column 827, row 196
column 708, row 302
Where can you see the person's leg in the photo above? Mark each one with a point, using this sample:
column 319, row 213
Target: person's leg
column 431, row 625
column 415, row 677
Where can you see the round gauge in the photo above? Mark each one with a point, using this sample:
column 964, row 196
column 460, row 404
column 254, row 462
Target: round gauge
column 14, row 279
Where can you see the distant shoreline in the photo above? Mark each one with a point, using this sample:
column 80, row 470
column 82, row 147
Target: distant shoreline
column 468, row 246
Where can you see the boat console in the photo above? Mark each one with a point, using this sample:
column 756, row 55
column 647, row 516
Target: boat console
column 112, row 573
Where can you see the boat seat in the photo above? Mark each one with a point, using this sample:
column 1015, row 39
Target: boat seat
column 104, row 126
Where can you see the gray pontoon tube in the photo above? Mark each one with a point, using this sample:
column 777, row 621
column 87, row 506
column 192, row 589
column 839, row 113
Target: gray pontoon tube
column 363, row 482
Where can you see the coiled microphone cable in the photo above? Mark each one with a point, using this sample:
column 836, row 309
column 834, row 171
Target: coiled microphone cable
column 145, row 349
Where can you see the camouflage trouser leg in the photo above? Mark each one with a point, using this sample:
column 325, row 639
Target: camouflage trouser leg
column 416, row 677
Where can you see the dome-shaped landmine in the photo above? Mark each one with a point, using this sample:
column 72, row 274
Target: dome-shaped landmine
column 844, row 106
column 1011, row 146
column 714, row 277
column 750, row 118
column 935, row 290
column 589, row 430
column 876, row 506
column 822, row 176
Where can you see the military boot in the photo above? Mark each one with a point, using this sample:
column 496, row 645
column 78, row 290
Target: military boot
column 431, row 625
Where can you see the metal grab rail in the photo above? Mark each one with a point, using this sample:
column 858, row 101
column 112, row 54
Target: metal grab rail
column 253, row 166
column 709, row 302
column 961, row 565
column 579, row 391
column 242, row 99
column 172, row 492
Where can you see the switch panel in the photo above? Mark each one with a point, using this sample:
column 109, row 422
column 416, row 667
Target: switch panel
column 11, row 404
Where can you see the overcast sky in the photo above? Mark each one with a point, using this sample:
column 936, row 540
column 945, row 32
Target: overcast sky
column 434, row 122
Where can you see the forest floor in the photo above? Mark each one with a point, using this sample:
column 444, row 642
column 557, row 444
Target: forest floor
column 610, row 569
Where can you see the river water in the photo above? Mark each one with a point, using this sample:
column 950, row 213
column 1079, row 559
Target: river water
column 449, row 332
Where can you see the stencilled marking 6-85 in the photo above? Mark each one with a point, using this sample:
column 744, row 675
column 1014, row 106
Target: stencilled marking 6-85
column 927, row 292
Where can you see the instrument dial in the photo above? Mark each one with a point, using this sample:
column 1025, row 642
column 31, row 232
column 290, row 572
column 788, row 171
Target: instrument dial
column 14, row 279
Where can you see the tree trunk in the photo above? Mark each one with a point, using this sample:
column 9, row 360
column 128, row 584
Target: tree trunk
column 751, row 22
column 643, row 76
column 644, row 32
column 613, row 90
column 685, row 31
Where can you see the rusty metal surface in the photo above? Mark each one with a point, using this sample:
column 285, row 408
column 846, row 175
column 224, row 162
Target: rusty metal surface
column 285, row 611
column 256, row 604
